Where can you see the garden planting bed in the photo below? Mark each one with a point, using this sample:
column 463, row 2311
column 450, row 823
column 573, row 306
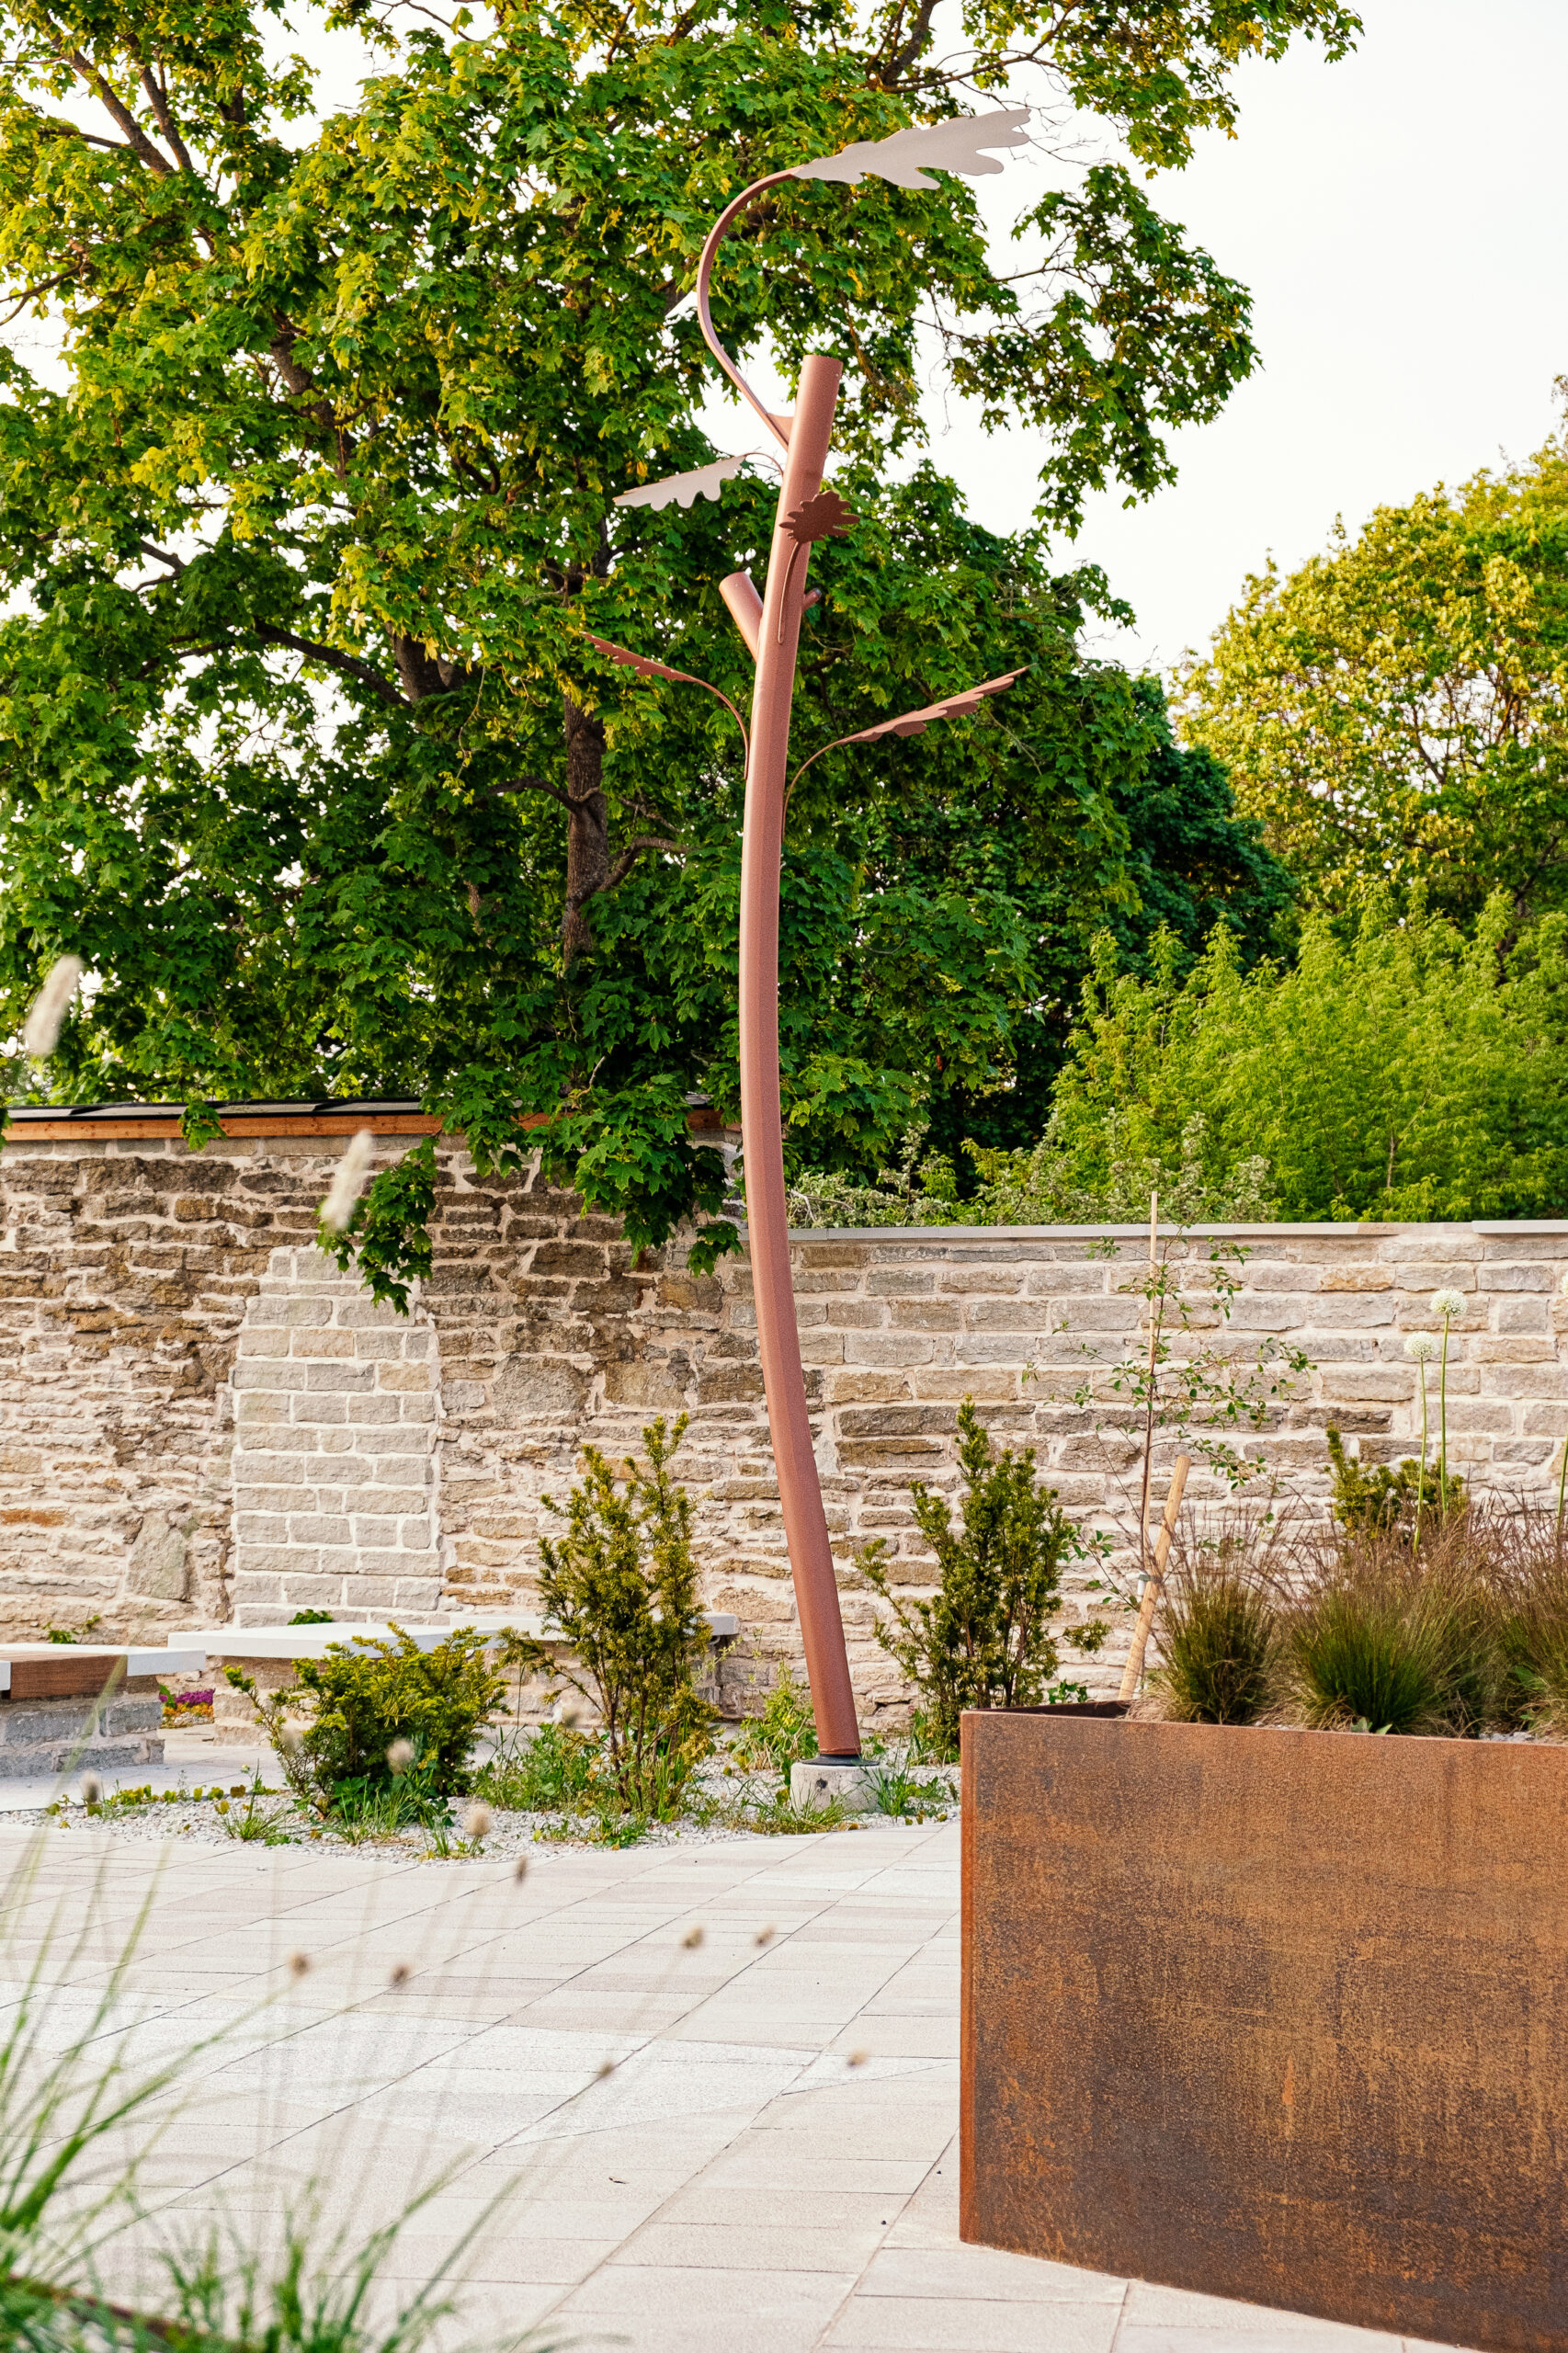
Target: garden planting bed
column 1272, row 2013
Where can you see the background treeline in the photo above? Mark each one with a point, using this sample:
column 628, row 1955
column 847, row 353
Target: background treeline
column 1375, row 1027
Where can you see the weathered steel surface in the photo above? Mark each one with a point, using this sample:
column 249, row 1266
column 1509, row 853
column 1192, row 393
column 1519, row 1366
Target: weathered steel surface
column 1274, row 2014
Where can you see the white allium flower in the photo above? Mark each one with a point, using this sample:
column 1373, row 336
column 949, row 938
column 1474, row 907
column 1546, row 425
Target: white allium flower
column 1421, row 1347
column 359, row 1154
column 476, row 1823
column 400, row 1756
column 40, row 1031
column 1450, row 1304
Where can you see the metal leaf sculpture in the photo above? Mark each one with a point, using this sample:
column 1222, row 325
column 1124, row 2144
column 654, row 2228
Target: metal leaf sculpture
column 826, row 516
column 705, row 482
column 915, row 722
column 646, row 667
column 956, row 145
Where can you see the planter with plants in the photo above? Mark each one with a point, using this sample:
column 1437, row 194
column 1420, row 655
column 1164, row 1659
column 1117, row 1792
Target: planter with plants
column 1264, row 1987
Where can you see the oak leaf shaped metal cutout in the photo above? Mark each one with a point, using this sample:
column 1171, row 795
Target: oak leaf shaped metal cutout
column 956, row 145
column 705, row 482
column 646, row 667
column 915, row 722
column 826, row 516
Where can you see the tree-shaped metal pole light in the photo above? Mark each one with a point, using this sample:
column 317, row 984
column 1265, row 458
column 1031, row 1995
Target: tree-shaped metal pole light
column 770, row 624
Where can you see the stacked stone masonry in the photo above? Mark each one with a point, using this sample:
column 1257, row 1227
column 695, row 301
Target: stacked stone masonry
column 202, row 1419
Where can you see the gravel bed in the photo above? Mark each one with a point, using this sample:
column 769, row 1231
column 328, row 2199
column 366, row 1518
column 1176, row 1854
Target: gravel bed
column 212, row 1820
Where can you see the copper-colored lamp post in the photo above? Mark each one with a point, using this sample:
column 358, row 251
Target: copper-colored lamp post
column 770, row 625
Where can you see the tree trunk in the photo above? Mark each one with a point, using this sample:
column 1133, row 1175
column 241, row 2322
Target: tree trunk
column 587, row 825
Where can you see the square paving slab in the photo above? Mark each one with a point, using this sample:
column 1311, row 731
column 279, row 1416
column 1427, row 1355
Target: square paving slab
column 713, row 2087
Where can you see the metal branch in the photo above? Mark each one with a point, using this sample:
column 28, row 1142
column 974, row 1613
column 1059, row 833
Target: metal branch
column 778, row 426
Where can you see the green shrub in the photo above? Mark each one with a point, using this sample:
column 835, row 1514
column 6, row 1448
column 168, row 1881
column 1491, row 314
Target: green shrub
column 984, row 1640
column 365, row 1694
column 622, row 1585
column 1393, row 1642
column 1218, row 1637
column 1383, row 1502
column 785, row 1732
column 1531, row 1585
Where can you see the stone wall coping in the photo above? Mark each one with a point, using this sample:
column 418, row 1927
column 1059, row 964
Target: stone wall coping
column 1333, row 1230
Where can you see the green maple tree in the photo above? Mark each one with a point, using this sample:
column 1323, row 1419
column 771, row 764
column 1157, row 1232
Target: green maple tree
column 303, row 747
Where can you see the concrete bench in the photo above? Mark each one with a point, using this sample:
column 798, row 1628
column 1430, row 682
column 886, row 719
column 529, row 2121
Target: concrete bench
column 87, row 1705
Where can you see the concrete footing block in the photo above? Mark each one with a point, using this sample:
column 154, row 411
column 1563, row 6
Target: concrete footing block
column 818, row 1781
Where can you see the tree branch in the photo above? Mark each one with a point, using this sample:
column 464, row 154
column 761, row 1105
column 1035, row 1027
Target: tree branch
column 538, row 784
column 116, row 110
column 159, row 101
column 31, row 294
column 332, row 659
column 624, row 864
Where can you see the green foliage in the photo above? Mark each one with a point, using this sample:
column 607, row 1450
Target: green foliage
column 784, row 1733
column 364, row 1696
column 622, row 1585
column 984, row 1640
column 1380, row 1501
column 552, row 1770
column 311, row 1617
column 1401, row 1073
column 909, row 1796
column 1390, row 1641
column 1218, row 1639
column 303, row 743
column 1396, row 710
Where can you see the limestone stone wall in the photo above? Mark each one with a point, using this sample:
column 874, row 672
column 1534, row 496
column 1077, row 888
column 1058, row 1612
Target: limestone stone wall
column 202, row 1419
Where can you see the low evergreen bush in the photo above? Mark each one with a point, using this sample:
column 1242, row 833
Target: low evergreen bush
column 984, row 1640
column 367, row 1695
column 622, row 1585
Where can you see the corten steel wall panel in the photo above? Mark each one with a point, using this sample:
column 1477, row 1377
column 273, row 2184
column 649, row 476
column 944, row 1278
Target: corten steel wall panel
column 1274, row 2014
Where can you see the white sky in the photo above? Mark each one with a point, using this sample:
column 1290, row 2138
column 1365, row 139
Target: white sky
column 1402, row 219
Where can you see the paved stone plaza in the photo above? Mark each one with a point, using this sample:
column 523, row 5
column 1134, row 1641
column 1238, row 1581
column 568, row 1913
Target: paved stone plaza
column 769, row 2164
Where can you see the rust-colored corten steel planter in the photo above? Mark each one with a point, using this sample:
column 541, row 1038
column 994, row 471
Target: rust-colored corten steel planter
column 1275, row 2015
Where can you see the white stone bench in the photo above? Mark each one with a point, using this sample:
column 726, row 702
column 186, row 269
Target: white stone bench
column 271, row 1651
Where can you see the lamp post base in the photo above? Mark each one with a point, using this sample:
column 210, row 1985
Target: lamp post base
column 820, row 1779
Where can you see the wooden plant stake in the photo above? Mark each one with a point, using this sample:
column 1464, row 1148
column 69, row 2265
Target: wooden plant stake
column 1155, row 1584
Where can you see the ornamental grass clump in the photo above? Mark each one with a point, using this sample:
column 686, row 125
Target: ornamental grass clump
column 1529, row 1582
column 1220, row 1631
column 1379, row 1638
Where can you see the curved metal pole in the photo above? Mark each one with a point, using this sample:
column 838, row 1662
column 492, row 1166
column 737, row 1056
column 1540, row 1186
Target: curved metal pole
column 778, row 426
column 779, row 1339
